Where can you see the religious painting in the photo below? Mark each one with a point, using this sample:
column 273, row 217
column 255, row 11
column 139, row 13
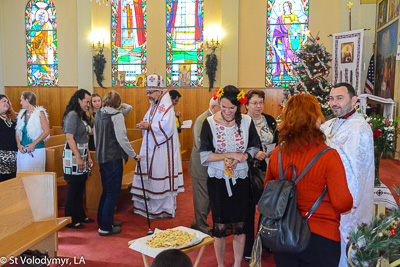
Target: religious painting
column 140, row 80
column 184, row 75
column 382, row 13
column 347, row 51
column 184, row 23
column 128, row 41
column 393, row 9
column 41, row 43
column 386, row 61
column 287, row 21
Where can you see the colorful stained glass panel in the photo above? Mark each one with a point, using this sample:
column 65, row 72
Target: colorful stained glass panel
column 41, row 43
column 287, row 21
column 128, row 42
column 184, row 43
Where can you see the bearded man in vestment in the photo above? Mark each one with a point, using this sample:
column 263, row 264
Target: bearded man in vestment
column 352, row 137
column 160, row 158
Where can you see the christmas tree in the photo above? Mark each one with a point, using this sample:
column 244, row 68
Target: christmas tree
column 312, row 74
column 378, row 241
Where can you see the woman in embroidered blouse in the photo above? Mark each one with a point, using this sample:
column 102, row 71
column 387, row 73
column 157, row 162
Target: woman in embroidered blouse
column 266, row 129
column 228, row 138
column 31, row 132
column 8, row 144
column 76, row 156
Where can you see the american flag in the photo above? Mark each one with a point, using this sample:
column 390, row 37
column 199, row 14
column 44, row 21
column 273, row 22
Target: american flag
column 369, row 83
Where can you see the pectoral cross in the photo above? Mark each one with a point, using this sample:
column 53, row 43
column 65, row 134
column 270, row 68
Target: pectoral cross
column 349, row 5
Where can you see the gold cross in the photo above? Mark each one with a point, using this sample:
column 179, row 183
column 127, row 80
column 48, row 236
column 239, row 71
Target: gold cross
column 349, row 5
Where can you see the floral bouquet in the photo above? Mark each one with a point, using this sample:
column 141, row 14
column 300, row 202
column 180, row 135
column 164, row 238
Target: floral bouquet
column 384, row 131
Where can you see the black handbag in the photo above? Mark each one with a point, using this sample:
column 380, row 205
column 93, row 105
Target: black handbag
column 257, row 177
column 282, row 227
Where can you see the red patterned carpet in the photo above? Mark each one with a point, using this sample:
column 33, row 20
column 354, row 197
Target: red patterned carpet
column 114, row 251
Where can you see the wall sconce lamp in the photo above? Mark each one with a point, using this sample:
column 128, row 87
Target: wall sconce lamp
column 213, row 45
column 213, row 33
column 98, row 47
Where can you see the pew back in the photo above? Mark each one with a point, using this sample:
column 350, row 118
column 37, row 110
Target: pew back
column 55, row 140
column 28, row 214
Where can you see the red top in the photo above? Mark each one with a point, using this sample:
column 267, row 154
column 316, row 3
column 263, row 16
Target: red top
column 328, row 170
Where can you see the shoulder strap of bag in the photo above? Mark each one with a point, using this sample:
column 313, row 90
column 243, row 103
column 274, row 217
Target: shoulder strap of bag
column 282, row 175
column 316, row 204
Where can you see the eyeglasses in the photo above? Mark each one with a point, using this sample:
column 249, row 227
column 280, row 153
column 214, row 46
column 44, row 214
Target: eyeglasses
column 257, row 103
column 150, row 92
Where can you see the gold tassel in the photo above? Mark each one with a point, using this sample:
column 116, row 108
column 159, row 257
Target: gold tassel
column 256, row 252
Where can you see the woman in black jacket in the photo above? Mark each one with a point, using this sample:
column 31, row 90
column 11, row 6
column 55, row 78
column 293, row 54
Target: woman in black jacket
column 266, row 129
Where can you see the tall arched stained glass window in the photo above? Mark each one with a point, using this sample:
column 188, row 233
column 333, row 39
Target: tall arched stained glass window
column 41, row 43
column 185, row 43
column 287, row 21
column 128, row 42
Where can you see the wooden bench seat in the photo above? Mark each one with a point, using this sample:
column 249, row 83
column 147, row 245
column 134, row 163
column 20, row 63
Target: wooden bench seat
column 18, row 242
column 28, row 214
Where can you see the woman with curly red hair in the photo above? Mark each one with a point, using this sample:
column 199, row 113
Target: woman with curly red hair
column 302, row 139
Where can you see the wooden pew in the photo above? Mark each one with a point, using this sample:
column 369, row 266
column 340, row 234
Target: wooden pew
column 57, row 130
column 94, row 187
column 54, row 162
column 55, row 140
column 28, row 214
column 133, row 134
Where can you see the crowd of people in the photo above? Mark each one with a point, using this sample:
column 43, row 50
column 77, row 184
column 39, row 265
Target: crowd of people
column 224, row 140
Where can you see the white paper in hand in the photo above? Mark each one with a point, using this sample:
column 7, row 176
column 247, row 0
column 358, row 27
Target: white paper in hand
column 186, row 124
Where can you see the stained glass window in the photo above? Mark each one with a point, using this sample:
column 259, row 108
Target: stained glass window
column 185, row 43
column 287, row 21
column 128, row 42
column 41, row 43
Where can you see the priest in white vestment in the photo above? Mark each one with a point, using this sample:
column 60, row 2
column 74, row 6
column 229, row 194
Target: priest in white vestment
column 160, row 158
column 352, row 137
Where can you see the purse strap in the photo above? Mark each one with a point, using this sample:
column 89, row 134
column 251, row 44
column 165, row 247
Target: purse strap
column 282, row 175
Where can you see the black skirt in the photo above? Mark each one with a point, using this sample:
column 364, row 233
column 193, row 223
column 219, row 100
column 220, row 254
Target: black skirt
column 228, row 211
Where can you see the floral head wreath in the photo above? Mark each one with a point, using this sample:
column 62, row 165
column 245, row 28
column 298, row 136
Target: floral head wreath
column 240, row 97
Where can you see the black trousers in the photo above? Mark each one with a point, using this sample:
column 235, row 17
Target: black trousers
column 321, row 251
column 74, row 197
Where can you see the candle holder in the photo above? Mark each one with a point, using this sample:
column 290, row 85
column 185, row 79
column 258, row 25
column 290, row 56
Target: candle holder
column 213, row 45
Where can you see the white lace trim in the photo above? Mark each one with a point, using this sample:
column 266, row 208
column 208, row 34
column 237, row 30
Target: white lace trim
column 220, row 174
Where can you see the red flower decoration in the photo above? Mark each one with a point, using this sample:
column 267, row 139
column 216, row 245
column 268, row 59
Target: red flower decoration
column 377, row 132
column 243, row 101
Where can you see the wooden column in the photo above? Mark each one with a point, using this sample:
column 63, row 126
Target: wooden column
column 84, row 28
column 230, row 43
column 2, row 90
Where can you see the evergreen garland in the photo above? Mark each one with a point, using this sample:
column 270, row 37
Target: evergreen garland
column 312, row 74
column 377, row 241
column 99, row 62
column 211, row 69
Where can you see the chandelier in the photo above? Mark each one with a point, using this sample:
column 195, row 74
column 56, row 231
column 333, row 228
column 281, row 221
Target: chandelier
column 107, row 2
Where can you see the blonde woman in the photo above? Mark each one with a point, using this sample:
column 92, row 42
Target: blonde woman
column 31, row 131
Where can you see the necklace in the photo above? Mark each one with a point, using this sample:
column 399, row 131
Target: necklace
column 8, row 122
column 222, row 115
column 332, row 134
